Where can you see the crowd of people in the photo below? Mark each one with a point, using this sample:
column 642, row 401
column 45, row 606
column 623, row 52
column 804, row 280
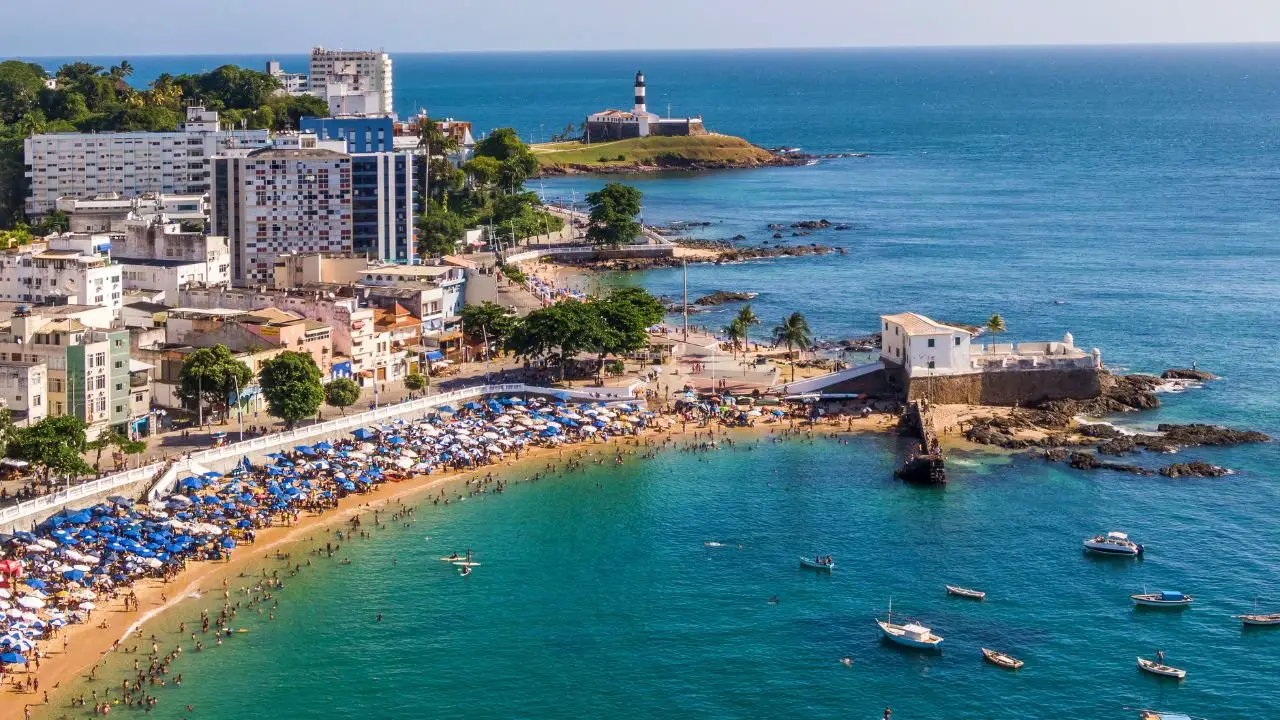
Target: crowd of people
column 57, row 573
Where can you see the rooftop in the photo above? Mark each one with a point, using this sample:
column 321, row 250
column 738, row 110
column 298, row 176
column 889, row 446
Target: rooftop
column 296, row 154
column 917, row 324
column 144, row 306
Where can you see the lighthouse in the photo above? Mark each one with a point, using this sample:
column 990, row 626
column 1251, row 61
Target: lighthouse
column 639, row 109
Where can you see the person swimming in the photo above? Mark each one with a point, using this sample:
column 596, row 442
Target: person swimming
column 847, row 662
column 773, row 600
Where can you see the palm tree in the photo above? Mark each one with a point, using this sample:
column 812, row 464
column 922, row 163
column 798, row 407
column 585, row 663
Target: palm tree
column 794, row 332
column 995, row 326
column 747, row 317
column 737, row 332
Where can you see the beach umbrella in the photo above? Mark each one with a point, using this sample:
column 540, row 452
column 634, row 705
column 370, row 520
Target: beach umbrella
column 31, row 602
column 363, row 434
column 473, row 406
column 36, row 583
column 12, row 658
column 87, row 606
column 47, row 543
column 445, row 409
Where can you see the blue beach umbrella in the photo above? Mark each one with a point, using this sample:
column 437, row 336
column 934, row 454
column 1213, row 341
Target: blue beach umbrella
column 363, row 434
column 12, row 658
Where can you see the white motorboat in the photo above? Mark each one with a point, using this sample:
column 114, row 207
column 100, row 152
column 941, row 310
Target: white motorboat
column 1156, row 668
column 1113, row 543
column 1004, row 660
column 912, row 634
column 818, row 563
column 1164, row 598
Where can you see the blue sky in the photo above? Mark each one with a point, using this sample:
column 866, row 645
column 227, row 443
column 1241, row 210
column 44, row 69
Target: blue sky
column 137, row 27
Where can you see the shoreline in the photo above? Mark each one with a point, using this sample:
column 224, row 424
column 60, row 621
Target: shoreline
column 89, row 646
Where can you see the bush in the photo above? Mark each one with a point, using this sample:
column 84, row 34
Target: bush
column 602, row 159
column 514, row 274
column 621, row 157
column 613, row 367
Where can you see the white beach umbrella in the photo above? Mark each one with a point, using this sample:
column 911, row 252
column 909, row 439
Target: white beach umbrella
column 33, row 548
column 5, row 594
column 31, row 602
column 87, row 606
column 408, row 453
column 81, row 568
column 47, row 543
column 14, row 613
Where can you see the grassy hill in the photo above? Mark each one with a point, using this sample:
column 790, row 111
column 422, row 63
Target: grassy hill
column 653, row 153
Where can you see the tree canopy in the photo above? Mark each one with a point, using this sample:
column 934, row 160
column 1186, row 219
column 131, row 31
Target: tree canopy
column 793, row 332
column 212, row 376
column 515, row 159
column 54, row 445
column 488, row 320
column 291, row 383
column 614, row 324
column 341, row 393
column 613, row 215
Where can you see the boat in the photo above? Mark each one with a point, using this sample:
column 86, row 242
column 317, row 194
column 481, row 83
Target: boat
column 913, row 635
column 1003, row 660
column 1113, row 543
column 818, row 564
column 1260, row 620
column 966, row 592
column 1161, row 669
column 1154, row 715
column 1164, row 598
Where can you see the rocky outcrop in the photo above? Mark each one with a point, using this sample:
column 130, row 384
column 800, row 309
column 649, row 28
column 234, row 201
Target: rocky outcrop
column 1193, row 469
column 811, row 225
column 1089, row 461
column 1120, row 393
column 720, row 297
column 1196, row 434
column 1122, row 445
column 1187, row 374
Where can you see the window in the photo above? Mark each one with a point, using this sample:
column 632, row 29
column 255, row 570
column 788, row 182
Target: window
column 931, row 342
column 931, row 365
column 957, row 342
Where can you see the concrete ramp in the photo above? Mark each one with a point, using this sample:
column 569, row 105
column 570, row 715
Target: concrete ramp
column 818, row 384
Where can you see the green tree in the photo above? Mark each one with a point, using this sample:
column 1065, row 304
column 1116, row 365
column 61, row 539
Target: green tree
column 122, row 71
column 20, row 89
column 439, row 231
column 341, row 393
column 211, row 375
column 559, row 332
column 118, row 440
column 736, row 331
column 291, row 383
column 748, row 316
column 54, row 445
column 995, row 326
column 627, row 314
column 413, row 382
column 516, row 159
column 795, row 334
column 483, row 171
column 7, row 429
column 612, row 217
column 488, row 320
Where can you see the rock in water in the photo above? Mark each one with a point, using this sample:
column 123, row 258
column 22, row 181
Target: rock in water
column 1193, row 469
column 720, row 297
column 1187, row 374
column 1198, row 434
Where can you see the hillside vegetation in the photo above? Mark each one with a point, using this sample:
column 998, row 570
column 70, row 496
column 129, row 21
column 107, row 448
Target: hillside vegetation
column 657, row 152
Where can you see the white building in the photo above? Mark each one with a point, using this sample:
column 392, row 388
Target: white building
column 926, row 348
column 129, row 163
column 155, row 255
column 352, row 82
column 280, row 201
column 24, row 389
column 290, row 83
column 109, row 212
column 72, row 268
column 449, row 279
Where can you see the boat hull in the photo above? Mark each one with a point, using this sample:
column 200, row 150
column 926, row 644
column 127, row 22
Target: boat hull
column 1001, row 660
column 1261, row 620
column 1141, row 601
column 1113, row 551
column 966, row 593
column 1161, row 670
column 900, row 639
column 806, row 562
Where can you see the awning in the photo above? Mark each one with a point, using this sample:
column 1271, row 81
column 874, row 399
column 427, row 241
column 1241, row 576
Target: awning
column 435, row 355
column 139, row 366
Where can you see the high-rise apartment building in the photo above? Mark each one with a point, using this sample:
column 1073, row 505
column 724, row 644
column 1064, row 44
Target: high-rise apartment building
column 352, row 82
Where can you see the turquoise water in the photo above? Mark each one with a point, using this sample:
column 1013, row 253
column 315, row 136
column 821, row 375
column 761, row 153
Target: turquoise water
column 604, row 601
column 1127, row 195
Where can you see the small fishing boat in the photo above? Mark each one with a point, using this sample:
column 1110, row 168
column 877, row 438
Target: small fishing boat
column 1164, row 599
column 966, row 592
column 1260, row 620
column 1161, row 669
column 1113, row 543
column 1003, row 660
column 913, row 635
column 818, row 563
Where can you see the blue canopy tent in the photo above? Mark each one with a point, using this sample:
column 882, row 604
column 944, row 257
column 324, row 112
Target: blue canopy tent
column 363, row 434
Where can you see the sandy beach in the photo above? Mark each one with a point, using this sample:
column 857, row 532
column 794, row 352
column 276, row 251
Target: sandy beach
column 88, row 644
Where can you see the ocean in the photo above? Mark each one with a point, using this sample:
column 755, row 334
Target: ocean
column 1127, row 195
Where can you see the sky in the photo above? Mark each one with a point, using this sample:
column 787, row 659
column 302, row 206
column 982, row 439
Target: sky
column 158, row 27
